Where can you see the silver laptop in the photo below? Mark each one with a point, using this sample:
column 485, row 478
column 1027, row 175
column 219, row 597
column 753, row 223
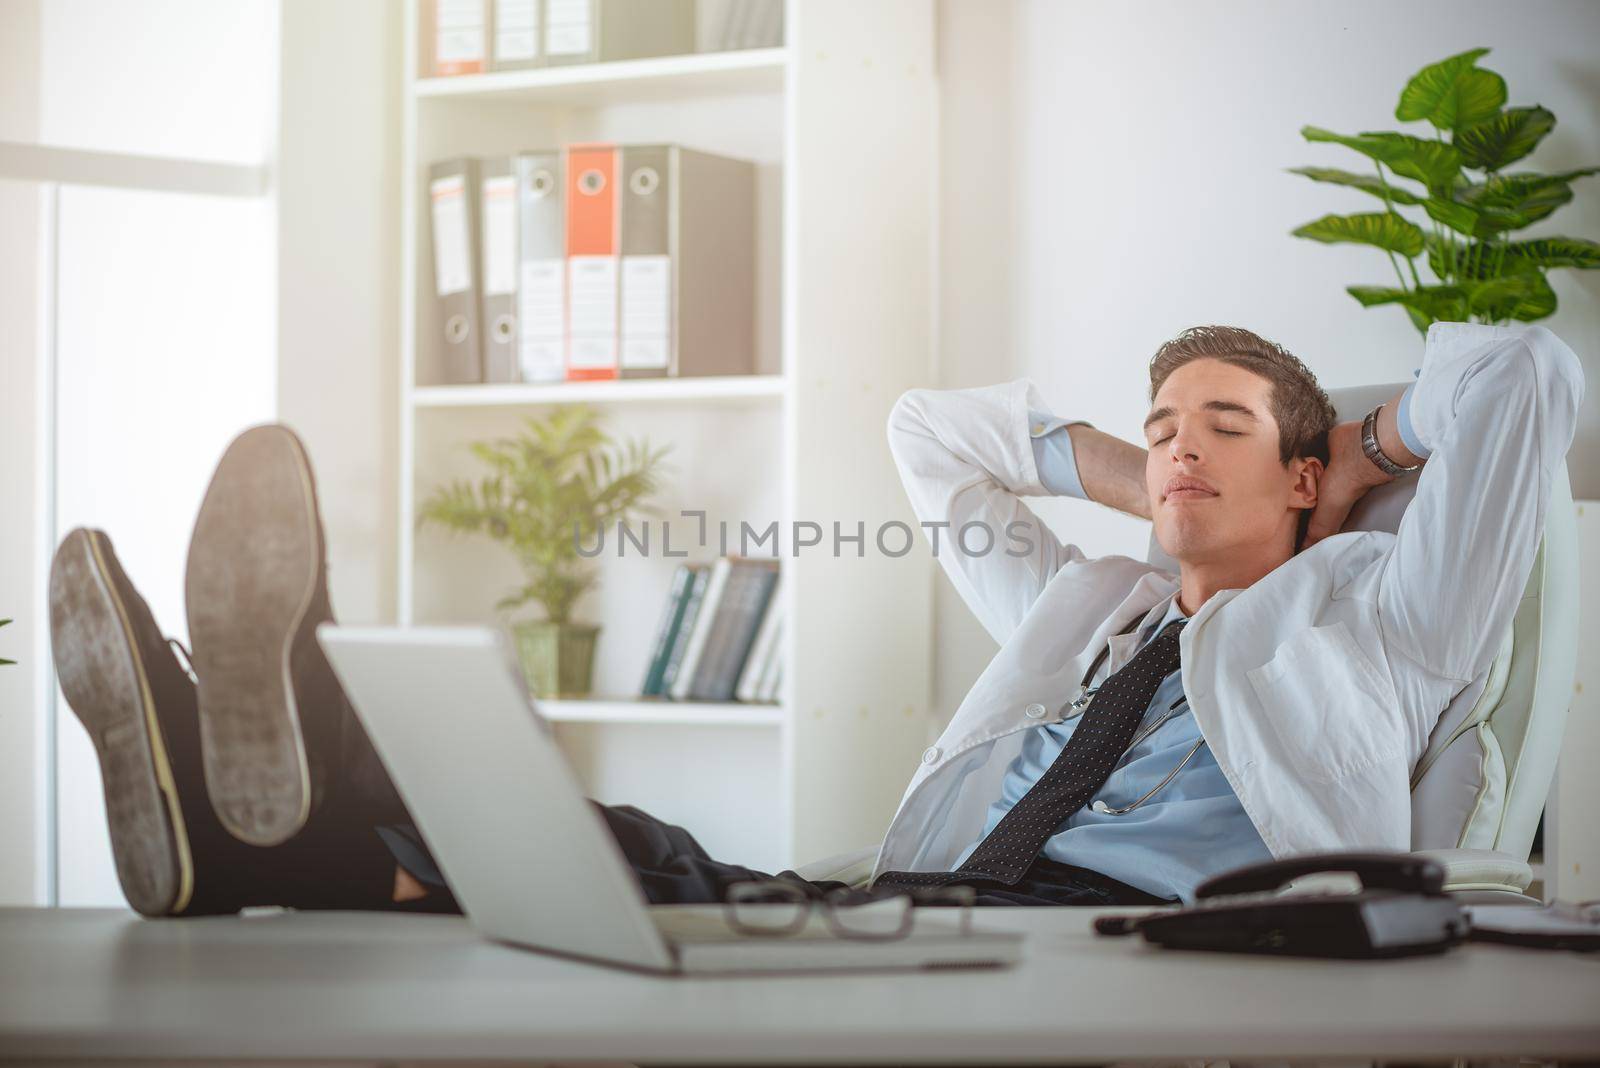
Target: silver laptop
column 528, row 857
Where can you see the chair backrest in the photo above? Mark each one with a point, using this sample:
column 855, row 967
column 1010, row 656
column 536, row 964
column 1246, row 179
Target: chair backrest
column 1483, row 780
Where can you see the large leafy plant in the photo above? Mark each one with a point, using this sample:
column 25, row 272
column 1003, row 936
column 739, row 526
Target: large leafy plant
column 1464, row 221
column 550, row 489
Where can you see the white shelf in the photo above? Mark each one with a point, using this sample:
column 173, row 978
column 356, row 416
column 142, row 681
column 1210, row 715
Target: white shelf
column 753, row 70
column 670, row 713
column 718, row 388
column 843, row 326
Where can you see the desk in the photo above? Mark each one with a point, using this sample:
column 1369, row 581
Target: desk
column 87, row 985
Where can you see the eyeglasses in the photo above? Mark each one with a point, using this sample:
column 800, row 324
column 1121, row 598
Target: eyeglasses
column 779, row 909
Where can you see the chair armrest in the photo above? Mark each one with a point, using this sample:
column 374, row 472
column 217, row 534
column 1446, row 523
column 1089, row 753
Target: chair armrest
column 854, row 867
column 1481, row 869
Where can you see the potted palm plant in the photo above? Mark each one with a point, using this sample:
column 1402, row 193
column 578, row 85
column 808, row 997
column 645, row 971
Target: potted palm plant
column 1436, row 209
column 552, row 488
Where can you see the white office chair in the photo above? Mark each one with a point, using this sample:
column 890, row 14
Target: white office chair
column 1480, row 787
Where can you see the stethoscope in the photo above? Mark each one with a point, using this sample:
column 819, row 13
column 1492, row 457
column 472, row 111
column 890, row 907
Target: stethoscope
column 1081, row 703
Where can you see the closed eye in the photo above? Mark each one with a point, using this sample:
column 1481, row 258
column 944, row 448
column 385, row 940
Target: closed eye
column 1229, row 433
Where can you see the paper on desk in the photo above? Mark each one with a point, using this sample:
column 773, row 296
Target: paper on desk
column 1557, row 918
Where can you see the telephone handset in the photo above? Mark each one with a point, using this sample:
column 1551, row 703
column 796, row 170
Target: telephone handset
column 1400, row 911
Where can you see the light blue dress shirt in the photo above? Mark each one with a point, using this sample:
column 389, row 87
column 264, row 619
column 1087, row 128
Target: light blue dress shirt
column 1193, row 827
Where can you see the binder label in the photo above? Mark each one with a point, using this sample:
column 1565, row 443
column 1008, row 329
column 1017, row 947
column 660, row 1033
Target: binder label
column 516, row 30
column 593, row 304
column 458, row 47
column 646, row 311
column 500, row 235
column 541, row 307
column 566, row 27
column 452, row 257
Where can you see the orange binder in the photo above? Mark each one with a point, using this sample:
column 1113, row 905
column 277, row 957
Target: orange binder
column 592, row 261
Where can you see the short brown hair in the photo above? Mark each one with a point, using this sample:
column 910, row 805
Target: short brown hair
column 1302, row 410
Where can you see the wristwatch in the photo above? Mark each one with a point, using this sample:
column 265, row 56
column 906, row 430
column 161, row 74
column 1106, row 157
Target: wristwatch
column 1372, row 451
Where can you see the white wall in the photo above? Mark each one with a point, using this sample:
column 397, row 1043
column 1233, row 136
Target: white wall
column 22, row 872
column 337, row 179
column 1114, row 172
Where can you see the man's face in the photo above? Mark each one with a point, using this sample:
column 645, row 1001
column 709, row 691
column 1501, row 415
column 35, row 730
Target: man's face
column 1217, row 488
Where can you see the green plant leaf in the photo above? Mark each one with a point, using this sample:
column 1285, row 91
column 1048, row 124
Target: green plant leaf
column 1459, row 217
column 1453, row 93
column 1556, row 252
column 1433, row 163
column 1367, row 183
column 1512, row 201
column 1524, row 296
column 1436, row 302
column 1503, row 139
column 560, row 480
column 1384, row 230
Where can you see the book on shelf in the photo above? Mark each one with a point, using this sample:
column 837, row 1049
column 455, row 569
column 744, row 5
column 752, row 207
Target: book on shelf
column 772, row 680
column 762, row 651
column 667, row 631
column 751, row 24
column 714, row 617
column 680, row 640
column 733, row 628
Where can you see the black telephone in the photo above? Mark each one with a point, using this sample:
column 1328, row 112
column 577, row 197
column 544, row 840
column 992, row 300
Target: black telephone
column 1400, row 911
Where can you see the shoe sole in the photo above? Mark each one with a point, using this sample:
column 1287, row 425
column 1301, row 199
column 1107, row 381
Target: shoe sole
column 105, row 682
column 251, row 576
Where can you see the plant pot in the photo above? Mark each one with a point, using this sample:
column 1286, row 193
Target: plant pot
column 557, row 658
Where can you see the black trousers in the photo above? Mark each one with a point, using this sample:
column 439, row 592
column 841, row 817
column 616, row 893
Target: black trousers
column 673, row 868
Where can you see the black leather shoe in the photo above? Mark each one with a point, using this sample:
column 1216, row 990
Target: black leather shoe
column 276, row 731
column 126, row 686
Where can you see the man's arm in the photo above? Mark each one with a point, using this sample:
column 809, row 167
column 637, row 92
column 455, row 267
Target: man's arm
column 1112, row 470
column 966, row 458
column 1349, row 474
column 1496, row 411
column 1076, row 460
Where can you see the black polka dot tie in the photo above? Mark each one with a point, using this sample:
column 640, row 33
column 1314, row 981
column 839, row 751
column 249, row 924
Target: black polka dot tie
column 1073, row 778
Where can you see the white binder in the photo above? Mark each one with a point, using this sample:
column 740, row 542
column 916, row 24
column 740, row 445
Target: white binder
column 516, row 34
column 498, row 213
column 542, row 268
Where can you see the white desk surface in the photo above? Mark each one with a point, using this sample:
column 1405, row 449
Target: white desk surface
column 84, row 985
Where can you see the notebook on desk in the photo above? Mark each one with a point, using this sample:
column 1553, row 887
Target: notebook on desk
column 526, row 854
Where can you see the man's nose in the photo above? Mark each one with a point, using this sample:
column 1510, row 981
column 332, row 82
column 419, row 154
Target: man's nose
column 1183, row 446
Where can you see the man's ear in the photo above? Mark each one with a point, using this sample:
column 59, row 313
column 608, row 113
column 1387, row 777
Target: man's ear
column 1307, row 482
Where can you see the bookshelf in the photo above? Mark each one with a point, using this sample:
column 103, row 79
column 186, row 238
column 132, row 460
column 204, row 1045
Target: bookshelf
column 719, row 388
column 841, row 126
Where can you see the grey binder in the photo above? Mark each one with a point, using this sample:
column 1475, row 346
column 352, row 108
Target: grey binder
column 498, row 243
column 453, row 192
column 514, row 35
column 598, row 31
column 542, row 268
column 688, row 263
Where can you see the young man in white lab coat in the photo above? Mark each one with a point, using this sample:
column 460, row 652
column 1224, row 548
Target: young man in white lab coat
column 1269, row 699
column 1313, row 671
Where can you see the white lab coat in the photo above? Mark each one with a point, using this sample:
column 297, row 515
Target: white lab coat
column 1317, row 687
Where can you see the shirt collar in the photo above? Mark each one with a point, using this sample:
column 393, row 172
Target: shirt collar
column 1169, row 612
